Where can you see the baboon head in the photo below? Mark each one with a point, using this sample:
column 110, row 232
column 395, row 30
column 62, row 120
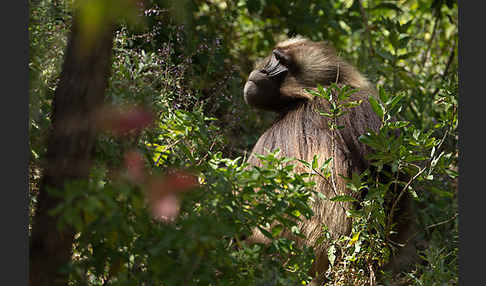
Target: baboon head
column 281, row 79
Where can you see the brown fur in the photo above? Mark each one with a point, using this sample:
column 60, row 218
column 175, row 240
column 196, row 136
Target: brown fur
column 300, row 132
column 306, row 134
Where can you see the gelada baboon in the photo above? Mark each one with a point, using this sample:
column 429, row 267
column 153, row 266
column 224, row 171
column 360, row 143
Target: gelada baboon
column 278, row 83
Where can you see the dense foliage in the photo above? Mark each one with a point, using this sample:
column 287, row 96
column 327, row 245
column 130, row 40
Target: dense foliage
column 170, row 197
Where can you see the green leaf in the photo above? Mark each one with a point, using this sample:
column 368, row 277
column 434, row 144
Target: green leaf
column 321, row 196
column 440, row 192
column 253, row 6
column 406, row 55
column 295, row 229
column 412, row 193
column 265, row 232
column 352, row 104
column 323, row 92
column 387, row 6
column 377, row 108
column 356, row 180
column 326, row 163
column 314, row 93
column 296, row 213
column 369, row 140
column 398, row 124
column 404, row 27
column 385, row 54
column 393, row 37
column 383, row 94
column 305, row 163
column 326, row 114
column 394, row 101
column 452, row 173
column 406, row 78
column 331, row 254
column 315, row 163
column 354, row 239
column 277, row 230
column 402, row 43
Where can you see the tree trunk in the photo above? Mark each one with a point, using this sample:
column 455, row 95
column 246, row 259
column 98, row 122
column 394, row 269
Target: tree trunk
column 79, row 94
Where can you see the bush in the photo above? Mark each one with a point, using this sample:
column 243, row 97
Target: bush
column 170, row 198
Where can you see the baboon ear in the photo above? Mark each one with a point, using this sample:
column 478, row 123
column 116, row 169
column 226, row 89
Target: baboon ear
column 326, row 44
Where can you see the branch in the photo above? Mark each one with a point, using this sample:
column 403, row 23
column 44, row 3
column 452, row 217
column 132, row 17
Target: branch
column 79, row 94
column 449, row 62
column 330, row 185
column 433, row 225
column 443, row 222
column 427, row 52
column 395, row 203
column 367, row 27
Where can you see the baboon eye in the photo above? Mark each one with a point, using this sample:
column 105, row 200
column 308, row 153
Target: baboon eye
column 281, row 57
column 276, row 65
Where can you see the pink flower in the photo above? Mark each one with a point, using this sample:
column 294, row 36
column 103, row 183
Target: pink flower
column 123, row 120
column 134, row 163
column 162, row 193
column 166, row 208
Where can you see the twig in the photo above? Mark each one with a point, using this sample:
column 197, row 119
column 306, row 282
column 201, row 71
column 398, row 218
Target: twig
column 337, row 74
column 432, row 226
column 205, row 156
column 388, row 225
column 442, row 222
column 449, row 62
column 333, row 139
column 325, row 179
column 443, row 139
column 330, row 185
column 432, row 37
column 372, row 275
column 395, row 203
column 333, row 148
column 367, row 27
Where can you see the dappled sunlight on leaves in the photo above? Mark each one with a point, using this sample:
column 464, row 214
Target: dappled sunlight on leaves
column 97, row 15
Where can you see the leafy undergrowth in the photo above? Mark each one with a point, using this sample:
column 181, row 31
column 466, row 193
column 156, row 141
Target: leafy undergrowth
column 170, row 199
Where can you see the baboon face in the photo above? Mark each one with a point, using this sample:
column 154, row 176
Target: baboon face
column 262, row 89
column 281, row 79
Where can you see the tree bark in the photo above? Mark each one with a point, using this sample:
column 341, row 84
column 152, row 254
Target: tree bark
column 79, row 94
